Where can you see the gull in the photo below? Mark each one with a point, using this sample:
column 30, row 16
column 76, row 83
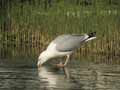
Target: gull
column 64, row 45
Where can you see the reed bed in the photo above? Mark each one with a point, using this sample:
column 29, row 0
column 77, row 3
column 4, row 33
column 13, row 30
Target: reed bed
column 33, row 24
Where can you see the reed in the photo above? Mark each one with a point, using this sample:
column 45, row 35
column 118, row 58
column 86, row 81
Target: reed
column 35, row 23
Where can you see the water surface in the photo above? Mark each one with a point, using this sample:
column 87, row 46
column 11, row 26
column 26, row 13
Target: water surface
column 81, row 74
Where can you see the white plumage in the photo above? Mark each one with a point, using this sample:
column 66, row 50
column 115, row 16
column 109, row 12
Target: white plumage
column 64, row 45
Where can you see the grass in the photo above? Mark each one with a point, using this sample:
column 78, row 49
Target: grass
column 35, row 25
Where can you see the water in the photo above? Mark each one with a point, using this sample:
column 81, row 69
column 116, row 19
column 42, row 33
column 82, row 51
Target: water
column 22, row 38
column 21, row 73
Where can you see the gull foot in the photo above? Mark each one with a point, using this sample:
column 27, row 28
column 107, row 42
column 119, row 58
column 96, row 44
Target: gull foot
column 60, row 65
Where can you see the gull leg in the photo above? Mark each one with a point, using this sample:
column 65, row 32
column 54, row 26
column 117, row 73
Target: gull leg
column 60, row 64
column 66, row 61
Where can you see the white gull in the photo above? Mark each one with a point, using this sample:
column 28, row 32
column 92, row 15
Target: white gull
column 64, row 45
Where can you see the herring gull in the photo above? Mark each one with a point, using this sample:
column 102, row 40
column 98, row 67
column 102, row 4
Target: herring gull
column 64, row 45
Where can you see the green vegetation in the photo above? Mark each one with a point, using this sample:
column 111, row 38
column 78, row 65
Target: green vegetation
column 28, row 23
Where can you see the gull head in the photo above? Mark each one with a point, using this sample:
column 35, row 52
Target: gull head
column 42, row 58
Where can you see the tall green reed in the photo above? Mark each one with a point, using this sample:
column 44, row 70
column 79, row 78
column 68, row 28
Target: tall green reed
column 34, row 24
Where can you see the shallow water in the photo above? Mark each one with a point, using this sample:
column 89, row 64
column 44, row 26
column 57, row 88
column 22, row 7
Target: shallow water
column 22, row 74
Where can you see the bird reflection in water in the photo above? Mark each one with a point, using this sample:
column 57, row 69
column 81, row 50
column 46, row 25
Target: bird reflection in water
column 54, row 76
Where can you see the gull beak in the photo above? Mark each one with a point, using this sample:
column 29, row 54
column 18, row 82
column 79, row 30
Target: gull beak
column 39, row 64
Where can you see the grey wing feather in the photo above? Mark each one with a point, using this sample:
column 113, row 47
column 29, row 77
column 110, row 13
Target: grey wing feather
column 66, row 43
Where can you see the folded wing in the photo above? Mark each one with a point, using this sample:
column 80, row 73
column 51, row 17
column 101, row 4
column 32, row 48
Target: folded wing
column 67, row 43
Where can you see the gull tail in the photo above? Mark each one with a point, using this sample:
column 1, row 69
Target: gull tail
column 91, row 36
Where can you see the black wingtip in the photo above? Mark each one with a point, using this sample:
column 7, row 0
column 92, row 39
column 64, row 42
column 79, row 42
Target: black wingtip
column 92, row 34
